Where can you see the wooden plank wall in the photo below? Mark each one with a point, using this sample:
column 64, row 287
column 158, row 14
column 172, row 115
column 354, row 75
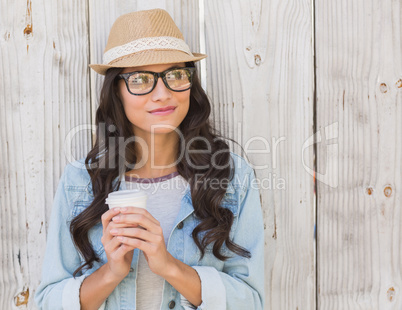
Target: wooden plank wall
column 44, row 93
column 260, row 77
column 359, row 89
column 260, row 80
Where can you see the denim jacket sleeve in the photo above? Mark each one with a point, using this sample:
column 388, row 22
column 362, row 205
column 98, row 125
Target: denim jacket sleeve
column 58, row 288
column 240, row 285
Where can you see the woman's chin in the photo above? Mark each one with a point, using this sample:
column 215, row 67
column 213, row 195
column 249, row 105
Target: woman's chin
column 162, row 129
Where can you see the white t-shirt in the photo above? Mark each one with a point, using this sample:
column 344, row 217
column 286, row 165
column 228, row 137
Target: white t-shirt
column 164, row 197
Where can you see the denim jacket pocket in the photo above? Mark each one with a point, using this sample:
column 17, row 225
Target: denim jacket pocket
column 79, row 207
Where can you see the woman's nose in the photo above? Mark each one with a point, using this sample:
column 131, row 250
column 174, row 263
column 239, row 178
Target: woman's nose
column 161, row 92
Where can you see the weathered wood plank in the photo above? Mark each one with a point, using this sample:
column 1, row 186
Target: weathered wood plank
column 44, row 93
column 260, row 79
column 359, row 89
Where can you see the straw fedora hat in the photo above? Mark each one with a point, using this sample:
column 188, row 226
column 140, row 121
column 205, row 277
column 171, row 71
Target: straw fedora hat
column 144, row 38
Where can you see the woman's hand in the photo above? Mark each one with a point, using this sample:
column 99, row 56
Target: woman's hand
column 139, row 229
column 145, row 234
column 119, row 255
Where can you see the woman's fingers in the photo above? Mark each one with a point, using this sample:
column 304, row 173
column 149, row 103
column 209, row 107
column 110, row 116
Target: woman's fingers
column 108, row 224
column 138, row 233
column 135, row 210
column 140, row 220
column 144, row 246
column 119, row 257
column 107, row 217
column 113, row 248
column 147, row 238
column 112, row 245
column 121, row 251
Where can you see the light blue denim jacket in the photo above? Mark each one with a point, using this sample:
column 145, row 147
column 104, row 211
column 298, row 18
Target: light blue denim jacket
column 237, row 283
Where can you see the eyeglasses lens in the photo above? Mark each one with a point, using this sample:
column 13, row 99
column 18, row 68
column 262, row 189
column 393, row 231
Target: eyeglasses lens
column 179, row 79
column 141, row 83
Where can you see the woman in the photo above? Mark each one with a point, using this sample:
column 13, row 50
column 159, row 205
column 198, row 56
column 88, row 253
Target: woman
column 199, row 244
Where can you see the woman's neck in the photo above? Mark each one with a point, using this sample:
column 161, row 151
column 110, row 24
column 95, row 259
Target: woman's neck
column 159, row 157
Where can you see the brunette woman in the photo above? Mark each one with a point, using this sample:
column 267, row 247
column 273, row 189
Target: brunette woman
column 200, row 242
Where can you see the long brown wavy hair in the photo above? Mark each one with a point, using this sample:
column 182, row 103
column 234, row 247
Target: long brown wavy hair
column 106, row 161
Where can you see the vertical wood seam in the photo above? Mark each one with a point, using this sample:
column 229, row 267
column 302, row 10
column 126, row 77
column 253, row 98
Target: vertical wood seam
column 91, row 116
column 315, row 157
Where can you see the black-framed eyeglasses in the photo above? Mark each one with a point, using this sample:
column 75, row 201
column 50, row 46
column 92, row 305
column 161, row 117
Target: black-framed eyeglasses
column 143, row 82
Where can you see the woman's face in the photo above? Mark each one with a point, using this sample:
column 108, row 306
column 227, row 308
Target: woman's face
column 138, row 108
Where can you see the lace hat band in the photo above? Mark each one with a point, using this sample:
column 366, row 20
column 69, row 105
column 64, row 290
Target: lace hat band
column 143, row 44
column 145, row 38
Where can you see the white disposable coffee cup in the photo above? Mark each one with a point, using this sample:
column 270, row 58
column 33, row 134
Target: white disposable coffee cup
column 127, row 198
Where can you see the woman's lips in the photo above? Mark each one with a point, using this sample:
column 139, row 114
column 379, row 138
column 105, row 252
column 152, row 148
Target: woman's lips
column 166, row 112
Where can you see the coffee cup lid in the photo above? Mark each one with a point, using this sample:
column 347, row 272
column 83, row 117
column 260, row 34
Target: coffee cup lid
column 126, row 195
